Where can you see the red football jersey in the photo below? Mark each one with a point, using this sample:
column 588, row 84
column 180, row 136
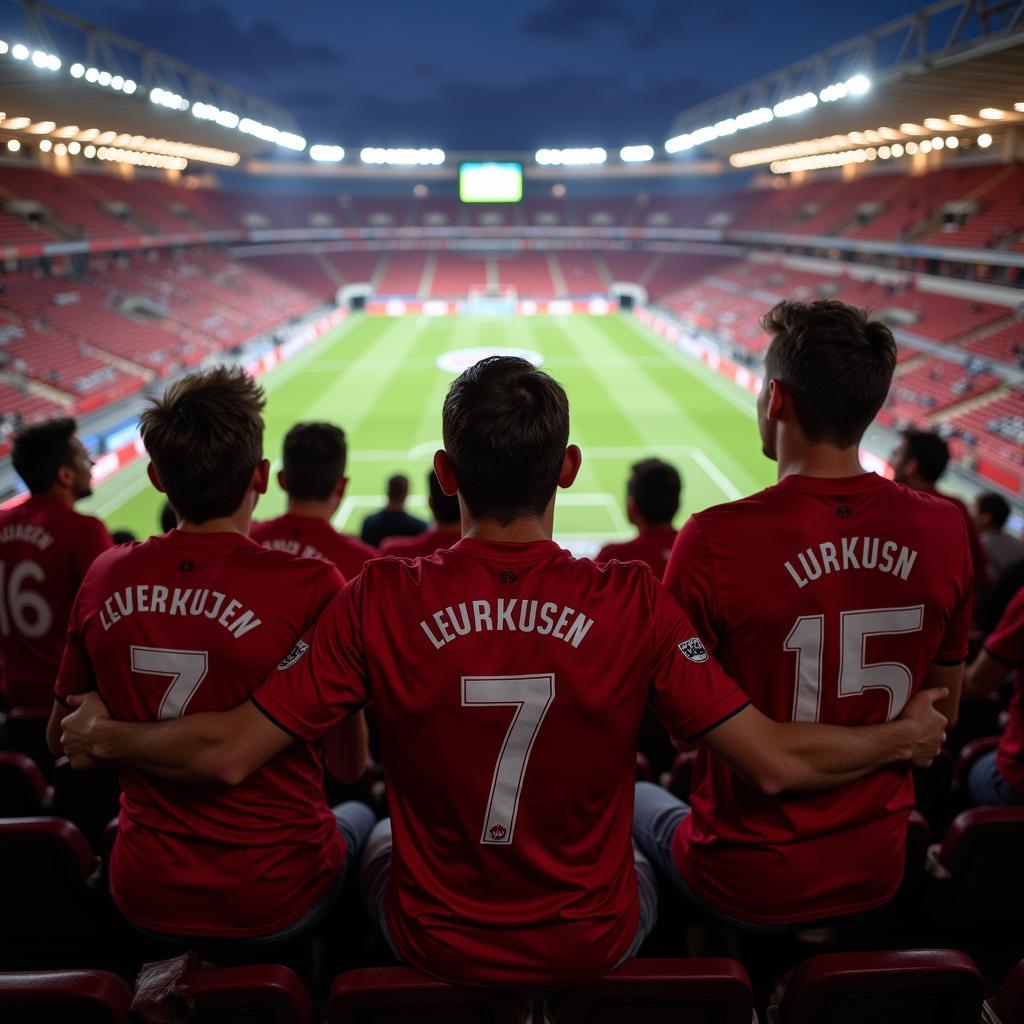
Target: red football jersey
column 1006, row 644
column 508, row 680
column 425, row 543
column 652, row 546
column 45, row 549
column 190, row 622
column 827, row 600
column 310, row 537
column 978, row 555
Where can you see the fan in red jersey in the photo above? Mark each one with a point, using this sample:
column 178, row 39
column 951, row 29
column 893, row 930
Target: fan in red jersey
column 193, row 621
column 45, row 549
column 314, row 479
column 998, row 776
column 508, row 679
column 834, row 596
column 447, row 528
column 652, row 501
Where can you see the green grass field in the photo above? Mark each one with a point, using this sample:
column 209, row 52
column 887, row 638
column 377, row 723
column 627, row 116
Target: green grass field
column 631, row 396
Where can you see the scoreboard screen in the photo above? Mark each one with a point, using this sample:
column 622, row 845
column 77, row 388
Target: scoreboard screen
column 491, row 182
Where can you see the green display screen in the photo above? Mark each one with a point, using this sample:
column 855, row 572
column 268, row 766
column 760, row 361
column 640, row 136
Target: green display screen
column 491, row 182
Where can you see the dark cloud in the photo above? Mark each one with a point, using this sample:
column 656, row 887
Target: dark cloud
column 209, row 35
column 569, row 19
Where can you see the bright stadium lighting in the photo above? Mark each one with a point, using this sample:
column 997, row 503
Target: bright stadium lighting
column 573, row 157
column 636, row 154
column 16, row 124
column 129, row 86
column 227, row 119
column 19, row 51
column 105, row 78
column 938, row 142
column 91, row 75
column 936, row 124
column 992, row 113
column 3, row 46
column 815, row 163
column 45, row 146
column 53, row 62
column 831, row 93
column 752, row 118
column 89, row 151
column 897, row 149
column 60, row 149
column 925, row 146
column 13, row 145
column 795, row 105
column 1019, row 107
column 984, row 140
column 74, row 148
column 326, row 154
column 909, row 128
column 952, row 142
column 77, row 70
column 117, row 82
column 858, row 85
column 911, row 148
column 402, row 157
column 884, row 152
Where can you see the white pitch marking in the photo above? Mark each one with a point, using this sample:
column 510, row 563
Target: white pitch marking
column 725, row 485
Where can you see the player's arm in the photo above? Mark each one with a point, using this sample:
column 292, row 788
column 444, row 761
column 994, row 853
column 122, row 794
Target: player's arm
column 347, row 748
column 1003, row 651
column 779, row 756
column 985, row 675
column 216, row 746
column 53, row 726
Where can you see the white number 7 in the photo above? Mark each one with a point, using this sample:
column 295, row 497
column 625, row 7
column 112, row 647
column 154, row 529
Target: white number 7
column 531, row 696
column 186, row 668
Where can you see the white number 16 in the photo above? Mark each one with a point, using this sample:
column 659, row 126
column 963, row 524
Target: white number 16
column 531, row 696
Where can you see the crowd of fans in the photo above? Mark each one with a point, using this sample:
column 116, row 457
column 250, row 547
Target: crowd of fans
column 225, row 663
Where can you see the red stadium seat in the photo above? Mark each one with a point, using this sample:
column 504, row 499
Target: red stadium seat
column 940, row 986
column 68, row 997
column 977, row 868
column 22, row 786
column 695, row 991
column 261, row 994
column 968, row 755
column 1007, row 1005
column 401, row 995
column 25, row 731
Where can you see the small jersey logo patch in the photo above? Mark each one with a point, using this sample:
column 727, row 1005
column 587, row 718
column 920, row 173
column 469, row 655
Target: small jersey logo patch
column 694, row 650
column 496, row 832
column 294, row 654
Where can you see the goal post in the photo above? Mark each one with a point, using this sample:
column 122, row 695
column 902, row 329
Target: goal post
column 487, row 300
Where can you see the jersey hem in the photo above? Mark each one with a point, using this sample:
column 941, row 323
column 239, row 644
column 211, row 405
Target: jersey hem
column 715, row 725
column 284, row 728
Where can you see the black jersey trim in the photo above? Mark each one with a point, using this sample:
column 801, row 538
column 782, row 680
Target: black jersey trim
column 704, row 732
column 948, row 664
column 284, row 728
column 996, row 657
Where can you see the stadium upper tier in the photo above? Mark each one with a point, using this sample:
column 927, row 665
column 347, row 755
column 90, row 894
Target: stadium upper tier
column 976, row 207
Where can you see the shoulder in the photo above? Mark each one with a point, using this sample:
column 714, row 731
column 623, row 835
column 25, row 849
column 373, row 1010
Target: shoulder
column 355, row 544
column 262, row 528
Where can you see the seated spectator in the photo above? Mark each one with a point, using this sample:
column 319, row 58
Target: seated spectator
column 990, row 511
column 508, row 679
column 192, row 621
column 653, row 494
column 998, row 776
column 313, row 477
column 392, row 520
column 446, row 531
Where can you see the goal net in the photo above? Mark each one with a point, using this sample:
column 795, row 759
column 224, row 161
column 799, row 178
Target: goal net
column 482, row 300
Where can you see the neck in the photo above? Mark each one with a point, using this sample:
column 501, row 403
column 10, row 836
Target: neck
column 519, row 531
column 448, row 527
column 395, row 506
column 65, row 497
column 821, row 460
column 647, row 527
column 313, row 509
column 237, row 523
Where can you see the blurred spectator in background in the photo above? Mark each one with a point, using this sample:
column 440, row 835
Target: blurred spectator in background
column 447, row 528
column 990, row 513
column 653, row 494
column 392, row 520
column 123, row 537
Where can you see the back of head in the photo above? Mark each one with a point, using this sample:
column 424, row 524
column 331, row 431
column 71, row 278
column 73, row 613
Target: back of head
column 836, row 363
column 204, row 436
column 314, row 460
column 398, row 487
column 995, row 506
column 929, row 451
column 444, row 506
column 40, row 451
column 506, row 427
column 655, row 487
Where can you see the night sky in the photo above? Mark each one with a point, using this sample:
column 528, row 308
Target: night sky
column 464, row 74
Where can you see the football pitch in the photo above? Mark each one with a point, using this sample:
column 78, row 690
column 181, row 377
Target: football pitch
column 631, row 396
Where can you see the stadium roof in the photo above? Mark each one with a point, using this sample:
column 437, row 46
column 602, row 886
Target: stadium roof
column 95, row 95
column 952, row 57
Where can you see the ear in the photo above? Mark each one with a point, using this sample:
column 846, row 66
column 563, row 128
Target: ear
column 282, row 481
column 65, row 476
column 445, row 473
column 570, row 466
column 153, row 478
column 776, row 399
column 261, row 476
column 339, row 490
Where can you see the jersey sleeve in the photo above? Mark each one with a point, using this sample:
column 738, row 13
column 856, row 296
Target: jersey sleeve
column 953, row 648
column 690, row 579
column 1006, row 642
column 690, row 692
column 76, row 673
column 92, row 540
column 323, row 678
column 328, row 585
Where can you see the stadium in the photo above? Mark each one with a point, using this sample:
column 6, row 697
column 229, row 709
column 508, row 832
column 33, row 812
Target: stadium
column 823, row 265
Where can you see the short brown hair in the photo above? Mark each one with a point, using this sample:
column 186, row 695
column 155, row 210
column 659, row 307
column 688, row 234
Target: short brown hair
column 655, row 486
column 506, row 427
column 40, row 451
column 314, row 460
column 205, row 438
column 836, row 362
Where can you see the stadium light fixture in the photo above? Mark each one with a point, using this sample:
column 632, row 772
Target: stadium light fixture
column 45, row 145
column 937, row 124
column 984, row 140
column 897, row 149
column 938, row 142
column 89, row 151
column 992, row 113
column 795, row 105
column 92, row 75
column 402, row 157
column 636, row 154
column 911, row 148
column 13, row 145
column 925, row 146
column 60, row 149
column 74, row 148
column 77, row 70
column 858, row 85
column 952, row 142
column 17, row 124
column 19, row 51
column 163, row 97
column 572, row 157
column 1019, row 107
column 884, row 152
column 3, row 46
column 326, row 154
column 909, row 128
column 41, row 127
column 105, row 78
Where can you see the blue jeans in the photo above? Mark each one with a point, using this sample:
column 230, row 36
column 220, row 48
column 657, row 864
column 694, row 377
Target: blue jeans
column 375, row 869
column 656, row 816
column 987, row 785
